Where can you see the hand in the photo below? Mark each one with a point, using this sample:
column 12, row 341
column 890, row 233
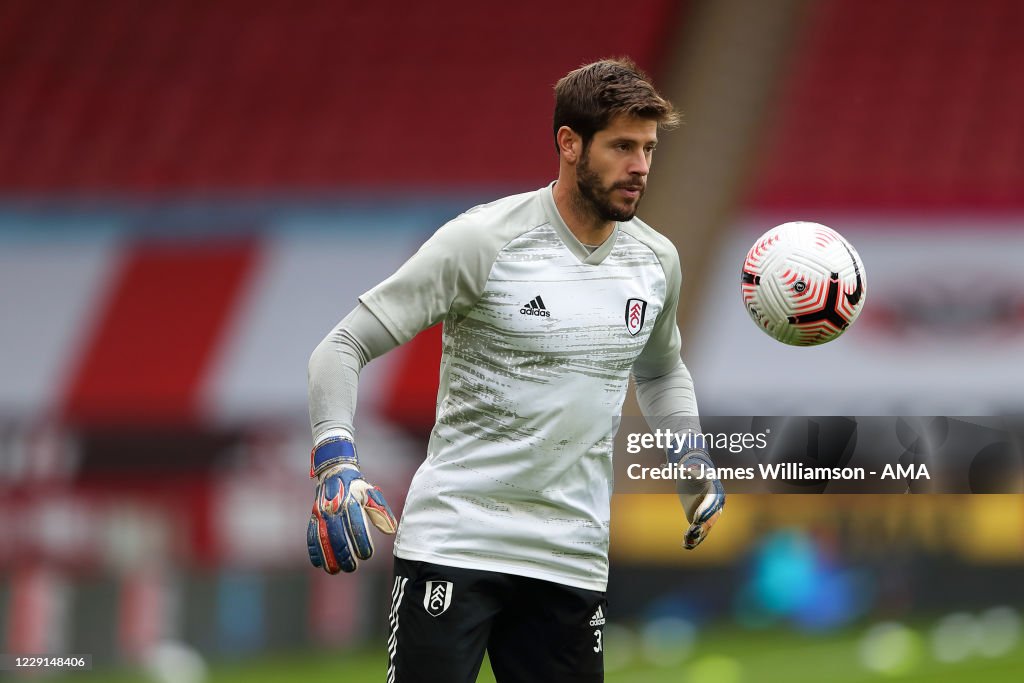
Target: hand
column 705, row 513
column 337, row 535
column 702, row 496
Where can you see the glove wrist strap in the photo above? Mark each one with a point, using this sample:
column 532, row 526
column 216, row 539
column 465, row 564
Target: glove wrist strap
column 332, row 452
column 691, row 445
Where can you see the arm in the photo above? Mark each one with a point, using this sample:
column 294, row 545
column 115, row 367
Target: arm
column 445, row 276
column 338, row 535
column 441, row 278
column 334, row 367
column 668, row 402
column 664, row 390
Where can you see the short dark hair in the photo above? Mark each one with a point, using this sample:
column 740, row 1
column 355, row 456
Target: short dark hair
column 587, row 98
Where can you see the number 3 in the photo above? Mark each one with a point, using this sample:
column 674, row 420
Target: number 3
column 599, row 646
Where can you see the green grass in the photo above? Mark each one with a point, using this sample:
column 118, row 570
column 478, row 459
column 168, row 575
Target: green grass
column 725, row 656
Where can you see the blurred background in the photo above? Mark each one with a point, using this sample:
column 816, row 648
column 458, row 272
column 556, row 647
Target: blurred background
column 193, row 193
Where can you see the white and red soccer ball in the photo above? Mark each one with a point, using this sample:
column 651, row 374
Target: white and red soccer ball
column 803, row 283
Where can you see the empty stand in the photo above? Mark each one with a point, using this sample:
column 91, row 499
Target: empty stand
column 900, row 105
column 187, row 95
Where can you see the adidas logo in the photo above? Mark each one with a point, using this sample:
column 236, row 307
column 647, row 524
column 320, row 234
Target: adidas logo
column 535, row 307
column 598, row 618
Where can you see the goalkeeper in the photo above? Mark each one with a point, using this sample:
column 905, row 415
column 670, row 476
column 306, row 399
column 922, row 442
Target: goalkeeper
column 550, row 300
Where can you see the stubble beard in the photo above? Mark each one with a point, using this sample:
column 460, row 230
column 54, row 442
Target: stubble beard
column 596, row 199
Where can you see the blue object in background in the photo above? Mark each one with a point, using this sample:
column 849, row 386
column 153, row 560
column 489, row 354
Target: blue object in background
column 241, row 612
column 790, row 580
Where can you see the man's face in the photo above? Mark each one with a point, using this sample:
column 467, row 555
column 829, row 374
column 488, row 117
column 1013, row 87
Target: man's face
column 612, row 171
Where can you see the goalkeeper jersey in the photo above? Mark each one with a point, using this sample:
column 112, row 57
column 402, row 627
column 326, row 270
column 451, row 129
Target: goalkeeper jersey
column 540, row 335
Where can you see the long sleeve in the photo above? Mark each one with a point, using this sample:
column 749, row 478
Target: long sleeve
column 334, row 367
column 664, row 387
column 668, row 402
column 444, row 277
column 669, row 395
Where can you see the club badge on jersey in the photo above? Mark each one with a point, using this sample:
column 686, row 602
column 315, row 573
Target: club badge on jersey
column 636, row 309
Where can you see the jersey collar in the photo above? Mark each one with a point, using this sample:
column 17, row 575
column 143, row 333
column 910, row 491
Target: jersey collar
column 572, row 244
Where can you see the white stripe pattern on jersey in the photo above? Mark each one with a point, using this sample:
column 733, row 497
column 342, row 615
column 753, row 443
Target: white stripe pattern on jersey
column 397, row 593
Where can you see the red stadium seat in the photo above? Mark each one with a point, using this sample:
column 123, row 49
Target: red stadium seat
column 900, row 105
column 181, row 96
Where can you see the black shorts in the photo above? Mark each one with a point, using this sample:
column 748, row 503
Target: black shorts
column 442, row 619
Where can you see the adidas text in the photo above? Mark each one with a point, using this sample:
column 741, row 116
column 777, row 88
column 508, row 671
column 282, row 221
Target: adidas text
column 598, row 618
column 535, row 307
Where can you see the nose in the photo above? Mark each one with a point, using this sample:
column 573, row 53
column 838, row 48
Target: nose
column 639, row 164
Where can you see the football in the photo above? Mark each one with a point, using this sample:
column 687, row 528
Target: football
column 803, row 283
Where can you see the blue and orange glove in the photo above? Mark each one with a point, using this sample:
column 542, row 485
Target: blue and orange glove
column 338, row 535
column 701, row 493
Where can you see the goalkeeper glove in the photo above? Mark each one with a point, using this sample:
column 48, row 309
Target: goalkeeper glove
column 702, row 496
column 338, row 535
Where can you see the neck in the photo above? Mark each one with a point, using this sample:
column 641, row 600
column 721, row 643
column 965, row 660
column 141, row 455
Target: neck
column 579, row 215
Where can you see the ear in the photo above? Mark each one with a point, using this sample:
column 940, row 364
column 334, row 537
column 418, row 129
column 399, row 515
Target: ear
column 570, row 144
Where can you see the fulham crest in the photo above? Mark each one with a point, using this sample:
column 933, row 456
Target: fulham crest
column 438, row 597
column 635, row 310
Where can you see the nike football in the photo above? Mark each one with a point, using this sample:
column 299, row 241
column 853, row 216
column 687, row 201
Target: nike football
column 803, row 283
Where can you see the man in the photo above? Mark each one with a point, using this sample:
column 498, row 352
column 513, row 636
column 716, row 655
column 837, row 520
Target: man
column 550, row 299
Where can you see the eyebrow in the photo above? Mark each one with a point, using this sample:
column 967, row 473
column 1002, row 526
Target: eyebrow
column 615, row 141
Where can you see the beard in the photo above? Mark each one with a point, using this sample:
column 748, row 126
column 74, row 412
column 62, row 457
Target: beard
column 597, row 199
